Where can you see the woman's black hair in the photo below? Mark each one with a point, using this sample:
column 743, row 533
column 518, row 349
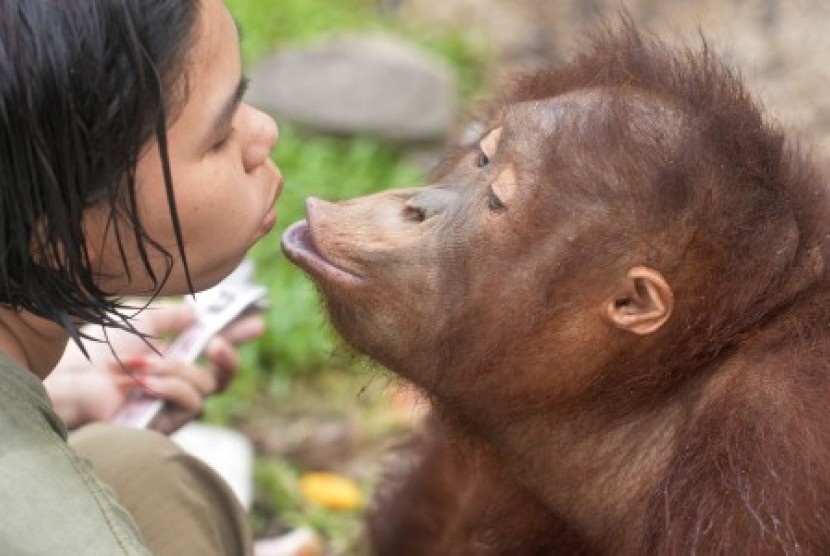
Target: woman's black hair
column 84, row 86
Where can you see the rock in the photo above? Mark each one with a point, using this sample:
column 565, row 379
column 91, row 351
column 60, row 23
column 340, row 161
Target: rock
column 373, row 85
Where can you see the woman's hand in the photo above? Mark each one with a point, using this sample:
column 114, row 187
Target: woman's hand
column 84, row 390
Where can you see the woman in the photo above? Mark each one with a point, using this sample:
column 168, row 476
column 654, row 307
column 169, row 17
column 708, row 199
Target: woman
column 128, row 166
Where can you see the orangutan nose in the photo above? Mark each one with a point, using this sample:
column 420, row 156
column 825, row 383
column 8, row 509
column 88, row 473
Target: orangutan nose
column 428, row 203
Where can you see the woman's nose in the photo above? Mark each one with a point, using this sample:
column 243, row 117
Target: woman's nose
column 264, row 136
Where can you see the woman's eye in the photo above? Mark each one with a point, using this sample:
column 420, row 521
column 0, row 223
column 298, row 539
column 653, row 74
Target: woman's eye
column 222, row 143
column 482, row 160
column 494, row 203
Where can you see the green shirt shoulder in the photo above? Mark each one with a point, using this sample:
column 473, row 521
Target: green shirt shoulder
column 52, row 501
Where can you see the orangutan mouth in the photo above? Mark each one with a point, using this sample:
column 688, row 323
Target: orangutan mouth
column 298, row 245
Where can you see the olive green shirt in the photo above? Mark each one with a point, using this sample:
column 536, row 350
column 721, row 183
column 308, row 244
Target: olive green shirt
column 51, row 503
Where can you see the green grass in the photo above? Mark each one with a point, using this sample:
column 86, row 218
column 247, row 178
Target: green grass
column 278, row 482
column 299, row 352
column 266, row 24
column 332, row 169
column 298, row 340
column 270, row 24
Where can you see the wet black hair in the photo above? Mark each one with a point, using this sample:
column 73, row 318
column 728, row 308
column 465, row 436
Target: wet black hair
column 84, row 86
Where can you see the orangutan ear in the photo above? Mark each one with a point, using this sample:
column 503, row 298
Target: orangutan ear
column 642, row 303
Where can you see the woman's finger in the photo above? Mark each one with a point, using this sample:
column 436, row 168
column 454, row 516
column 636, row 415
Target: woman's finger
column 174, row 390
column 224, row 359
column 245, row 329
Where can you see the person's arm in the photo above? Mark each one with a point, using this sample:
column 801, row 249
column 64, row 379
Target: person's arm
column 85, row 390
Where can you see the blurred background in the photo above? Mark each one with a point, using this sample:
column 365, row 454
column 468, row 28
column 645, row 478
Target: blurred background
column 366, row 92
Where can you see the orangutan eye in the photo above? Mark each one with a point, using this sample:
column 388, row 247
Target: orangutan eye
column 494, row 203
column 482, row 160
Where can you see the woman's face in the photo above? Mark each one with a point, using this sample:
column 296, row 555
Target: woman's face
column 224, row 181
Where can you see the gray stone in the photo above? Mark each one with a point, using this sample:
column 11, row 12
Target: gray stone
column 373, row 85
